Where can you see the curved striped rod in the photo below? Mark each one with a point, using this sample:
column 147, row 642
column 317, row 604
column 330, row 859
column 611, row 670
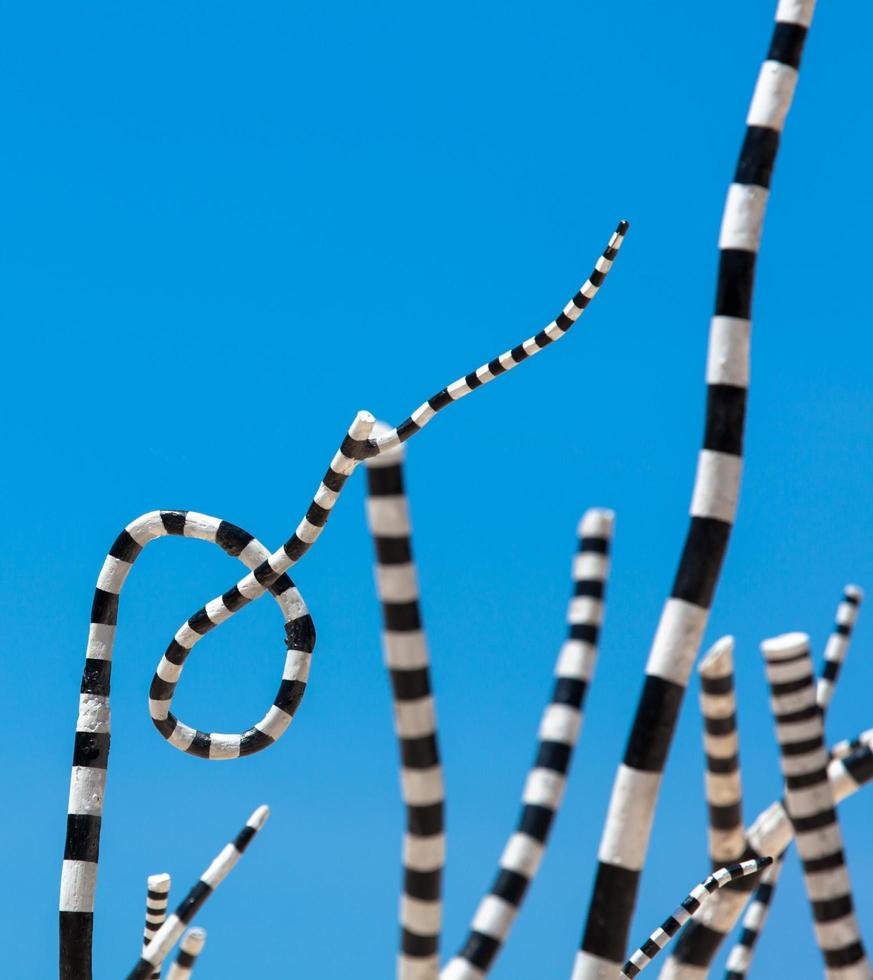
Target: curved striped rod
column 690, row 904
column 559, row 730
column 91, row 747
column 168, row 935
column 157, row 899
column 809, row 801
column 770, row 833
column 700, row 940
column 740, row 957
column 625, row 840
column 421, row 776
column 189, row 949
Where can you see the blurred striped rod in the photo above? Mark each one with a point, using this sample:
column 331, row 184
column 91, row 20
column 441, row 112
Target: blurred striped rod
column 625, row 840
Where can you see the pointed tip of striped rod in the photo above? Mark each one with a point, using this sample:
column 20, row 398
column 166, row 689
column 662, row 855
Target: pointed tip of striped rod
column 259, row 817
column 785, row 646
column 854, row 592
column 764, row 862
column 362, row 425
column 194, row 940
column 718, row 661
column 596, row 522
column 623, row 226
column 159, row 882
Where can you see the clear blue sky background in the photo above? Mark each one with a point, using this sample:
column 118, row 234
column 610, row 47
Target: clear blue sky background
column 228, row 227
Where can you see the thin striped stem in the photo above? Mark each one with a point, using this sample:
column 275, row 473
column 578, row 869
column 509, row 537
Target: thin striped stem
column 559, row 730
column 740, row 957
column 625, row 840
column 838, row 644
column 157, row 898
column 168, row 935
column 189, row 949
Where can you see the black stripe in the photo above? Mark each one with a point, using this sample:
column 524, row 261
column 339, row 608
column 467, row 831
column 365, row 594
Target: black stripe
column 860, row 765
column 563, row 322
column 185, row 960
column 842, row 629
column 282, row 584
column 166, row 726
column 825, row 818
column 289, row 696
column 393, row 551
column 161, row 690
column 472, row 381
column 200, row 745
column 787, row 44
column 554, row 756
column 757, row 157
column 193, row 900
column 95, row 677
column 419, row 753
column 736, row 280
column 804, row 714
column 317, row 515
column 830, row 670
column 425, row 821
column 334, row 481
column 83, row 837
column 519, row 354
column 720, row 726
column 829, row 909
column 244, row 838
column 569, row 691
column 698, row 944
column 300, row 634
column 510, row 886
column 801, row 748
column 480, row 949
column 652, row 729
column 423, row 885
column 589, row 587
column 806, row 779
column 385, row 481
column 725, row 816
column 410, row 685
column 201, row 623
column 701, row 560
column 401, row 616
column 764, row 893
column 722, row 767
column 253, row 741
column 650, row 948
column 295, row 548
column 104, row 608
column 584, row 631
column 232, row 539
column 495, row 367
column 440, row 400
column 75, row 932
column 176, row 653
column 174, row 521
column 91, row 749
column 791, row 687
column 357, row 448
column 597, row 545
column 265, row 574
column 418, row 946
column 717, row 685
column 125, row 548
column 610, row 911
column 542, row 339
column 407, row 429
column 234, row 599
column 725, row 418
column 535, row 821
column 827, row 863
column 844, row 956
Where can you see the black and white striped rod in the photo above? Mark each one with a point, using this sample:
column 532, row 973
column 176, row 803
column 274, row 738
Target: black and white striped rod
column 690, row 904
column 625, row 839
column 268, row 573
column 406, row 657
column 157, row 898
column 168, row 935
column 809, row 802
column 838, row 644
column 740, row 957
column 558, row 732
column 189, row 949
column 724, row 794
column 701, row 939
column 770, row 833
column 850, row 745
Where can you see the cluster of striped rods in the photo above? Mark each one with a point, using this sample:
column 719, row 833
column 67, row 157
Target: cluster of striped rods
column 746, row 860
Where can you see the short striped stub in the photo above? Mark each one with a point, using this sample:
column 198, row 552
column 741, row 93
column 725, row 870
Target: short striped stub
column 189, row 949
column 689, row 905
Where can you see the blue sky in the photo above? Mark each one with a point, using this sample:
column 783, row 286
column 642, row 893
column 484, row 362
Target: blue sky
column 228, row 228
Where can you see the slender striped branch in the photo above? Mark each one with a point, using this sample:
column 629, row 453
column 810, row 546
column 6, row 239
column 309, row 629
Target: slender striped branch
column 770, row 833
column 724, row 794
column 168, row 935
column 406, row 657
column 850, row 745
column 740, row 957
column 690, row 904
column 701, row 939
column 268, row 573
column 756, row 914
column 558, row 733
column 838, row 644
column 189, row 949
column 809, row 801
column 157, row 898
column 625, row 840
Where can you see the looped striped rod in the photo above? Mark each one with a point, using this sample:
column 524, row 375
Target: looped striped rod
column 689, row 905
column 91, row 747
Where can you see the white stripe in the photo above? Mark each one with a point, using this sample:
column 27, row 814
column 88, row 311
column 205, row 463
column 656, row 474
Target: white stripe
column 743, row 218
column 78, row 880
column 723, row 790
column 560, row 723
column 814, row 844
column 774, row 91
column 458, row 969
column 182, row 736
column 307, row 532
column 590, row 565
column 413, row 719
column 721, row 746
column 100, row 640
column 522, row 854
column 253, row 554
column 217, row 611
column 585, row 609
column 677, row 641
column 717, row 705
column 784, row 646
column 168, row 671
column 250, row 587
column 424, row 853
column 422, row 415
column 200, row 526
column 221, row 866
column 421, row 787
column 543, row 787
column 800, row 765
column 727, row 357
column 87, row 786
column 274, row 723
column 629, row 819
column 396, row 583
column 146, row 528
column 587, row 966
column 223, row 746
column 112, row 574
column 716, row 485
column 795, row 12
column 798, row 731
column 779, row 672
column 186, row 637
column 388, row 516
column 93, row 713
column 419, row 916
column 576, row 659
column 494, row 917
column 823, row 885
column 837, row 933
column 404, row 651
column 297, row 663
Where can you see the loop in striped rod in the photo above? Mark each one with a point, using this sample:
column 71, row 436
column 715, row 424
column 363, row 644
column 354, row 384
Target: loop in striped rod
column 627, row 828
column 559, row 730
column 189, row 949
column 167, row 936
column 809, row 802
column 268, row 573
column 690, row 904
column 157, row 898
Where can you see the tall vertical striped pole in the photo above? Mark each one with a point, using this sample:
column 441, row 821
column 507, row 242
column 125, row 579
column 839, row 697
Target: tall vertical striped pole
column 809, row 802
column 625, row 839
column 189, row 949
column 157, row 898
column 559, row 730
column 406, row 657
